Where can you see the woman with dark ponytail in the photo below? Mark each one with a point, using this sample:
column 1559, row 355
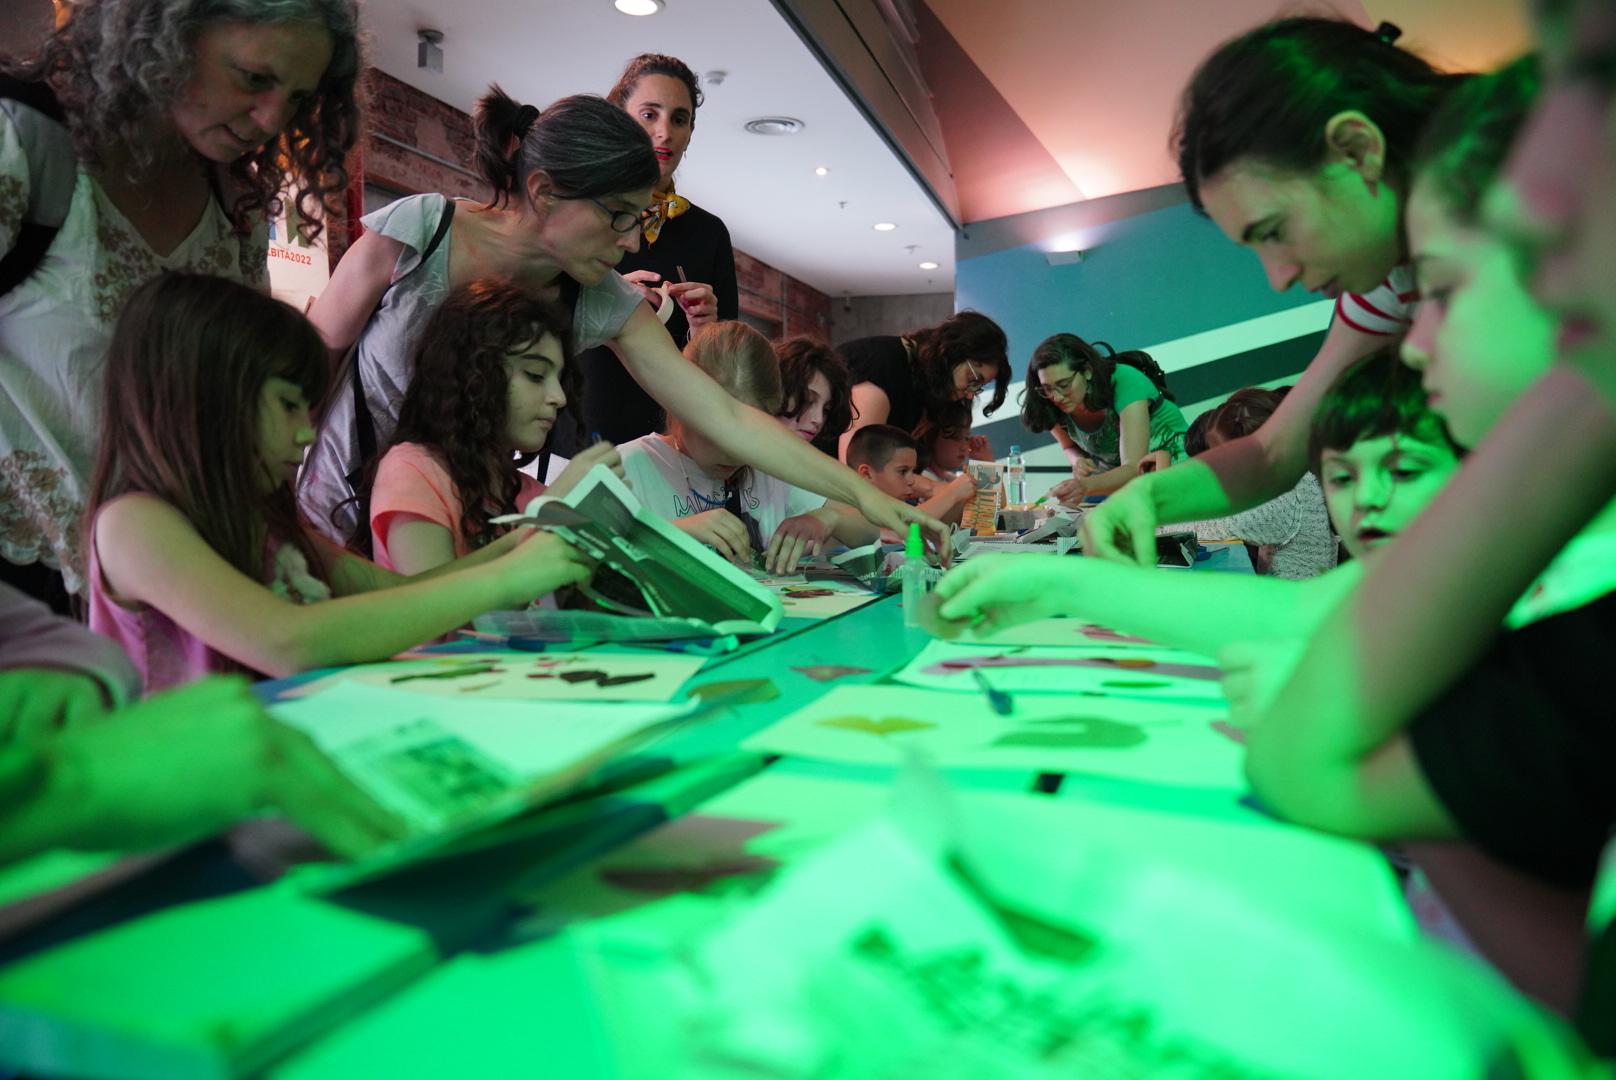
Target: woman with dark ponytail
column 571, row 185
column 1296, row 139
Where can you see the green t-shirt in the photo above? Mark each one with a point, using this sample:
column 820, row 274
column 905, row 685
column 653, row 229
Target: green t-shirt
column 1167, row 425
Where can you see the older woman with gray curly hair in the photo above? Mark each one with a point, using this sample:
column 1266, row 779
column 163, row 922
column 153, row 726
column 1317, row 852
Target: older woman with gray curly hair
column 143, row 136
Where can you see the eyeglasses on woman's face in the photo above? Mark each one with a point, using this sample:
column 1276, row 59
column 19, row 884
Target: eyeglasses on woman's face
column 621, row 220
column 1061, row 388
column 975, row 381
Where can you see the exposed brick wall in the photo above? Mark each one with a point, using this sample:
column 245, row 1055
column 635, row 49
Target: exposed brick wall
column 770, row 294
column 398, row 112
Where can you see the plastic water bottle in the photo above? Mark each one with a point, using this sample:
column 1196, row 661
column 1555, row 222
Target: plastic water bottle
column 1015, row 478
column 914, row 576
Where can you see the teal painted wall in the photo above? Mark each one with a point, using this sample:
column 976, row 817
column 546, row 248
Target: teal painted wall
column 1147, row 279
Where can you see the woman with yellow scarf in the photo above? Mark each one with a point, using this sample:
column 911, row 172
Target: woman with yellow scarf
column 685, row 248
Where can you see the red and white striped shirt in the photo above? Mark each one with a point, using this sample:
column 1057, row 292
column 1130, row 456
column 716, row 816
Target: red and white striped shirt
column 1387, row 310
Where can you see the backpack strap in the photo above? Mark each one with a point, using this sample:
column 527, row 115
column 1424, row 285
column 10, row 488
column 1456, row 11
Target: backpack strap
column 364, row 422
column 52, row 174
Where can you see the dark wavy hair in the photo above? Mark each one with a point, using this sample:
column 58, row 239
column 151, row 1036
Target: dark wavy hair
column 1465, row 144
column 587, row 145
column 954, row 423
column 1267, row 95
column 115, row 64
column 965, row 335
column 801, row 358
column 459, row 399
column 655, row 64
column 1038, row 413
column 184, row 382
column 1378, row 396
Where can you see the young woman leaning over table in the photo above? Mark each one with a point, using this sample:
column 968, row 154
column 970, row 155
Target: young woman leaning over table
column 1295, row 139
column 571, row 185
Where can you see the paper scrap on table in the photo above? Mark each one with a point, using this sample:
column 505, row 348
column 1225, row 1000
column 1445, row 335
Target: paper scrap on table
column 1139, row 673
column 816, row 598
column 1065, row 632
column 433, row 759
column 830, row 672
column 525, row 676
column 1150, row 741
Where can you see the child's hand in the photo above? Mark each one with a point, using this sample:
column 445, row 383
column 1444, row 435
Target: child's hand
column 796, row 539
column 991, row 593
column 36, row 701
column 963, row 486
column 543, row 563
column 978, row 448
column 722, row 531
column 192, row 761
column 698, row 300
column 1155, row 461
column 1067, row 491
column 602, row 453
column 1084, row 467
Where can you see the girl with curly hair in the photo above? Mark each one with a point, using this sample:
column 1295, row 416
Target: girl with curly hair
column 198, row 560
column 143, row 136
column 572, row 187
column 492, row 374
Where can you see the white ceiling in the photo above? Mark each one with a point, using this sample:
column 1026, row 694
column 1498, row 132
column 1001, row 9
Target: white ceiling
column 763, row 187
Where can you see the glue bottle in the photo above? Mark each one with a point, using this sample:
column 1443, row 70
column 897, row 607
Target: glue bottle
column 914, row 575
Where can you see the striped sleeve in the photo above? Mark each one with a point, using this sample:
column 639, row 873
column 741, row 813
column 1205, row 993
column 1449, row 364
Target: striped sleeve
column 1387, row 310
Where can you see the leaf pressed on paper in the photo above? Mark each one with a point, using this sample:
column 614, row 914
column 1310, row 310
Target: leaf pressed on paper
column 887, row 725
column 752, row 691
column 602, row 679
column 1075, row 732
column 827, row 672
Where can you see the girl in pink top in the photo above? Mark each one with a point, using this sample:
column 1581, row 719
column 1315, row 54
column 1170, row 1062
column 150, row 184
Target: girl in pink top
column 200, row 562
column 492, row 371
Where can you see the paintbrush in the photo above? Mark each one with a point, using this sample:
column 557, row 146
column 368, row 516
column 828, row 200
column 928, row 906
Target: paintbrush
column 997, row 698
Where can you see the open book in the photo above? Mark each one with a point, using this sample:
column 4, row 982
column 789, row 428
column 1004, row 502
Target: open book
column 646, row 566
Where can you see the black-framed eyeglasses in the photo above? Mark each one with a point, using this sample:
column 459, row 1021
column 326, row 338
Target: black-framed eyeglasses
column 622, row 220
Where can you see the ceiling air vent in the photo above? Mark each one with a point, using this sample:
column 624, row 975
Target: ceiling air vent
column 774, row 125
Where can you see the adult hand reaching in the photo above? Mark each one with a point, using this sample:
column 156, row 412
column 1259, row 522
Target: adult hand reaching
column 882, row 510
column 602, row 453
column 193, row 761
column 1123, row 527
column 991, row 593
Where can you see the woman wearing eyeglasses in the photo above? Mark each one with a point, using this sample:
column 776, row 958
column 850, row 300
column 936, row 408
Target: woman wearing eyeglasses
column 904, row 380
column 571, row 189
column 1107, row 415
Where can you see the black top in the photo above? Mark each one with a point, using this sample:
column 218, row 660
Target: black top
column 1522, row 751
column 884, row 362
column 614, row 404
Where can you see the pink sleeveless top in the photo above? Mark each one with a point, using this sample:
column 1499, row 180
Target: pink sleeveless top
column 167, row 654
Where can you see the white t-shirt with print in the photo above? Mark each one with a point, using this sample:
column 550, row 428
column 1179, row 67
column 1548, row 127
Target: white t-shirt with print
column 672, row 486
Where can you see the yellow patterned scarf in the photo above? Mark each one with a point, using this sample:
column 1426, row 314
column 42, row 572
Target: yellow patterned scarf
column 665, row 206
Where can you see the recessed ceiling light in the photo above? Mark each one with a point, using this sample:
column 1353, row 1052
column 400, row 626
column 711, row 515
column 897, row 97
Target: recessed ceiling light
column 774, row 125
column 884, row 226
column 638, row 7
column 928, row 266
column 821, row 171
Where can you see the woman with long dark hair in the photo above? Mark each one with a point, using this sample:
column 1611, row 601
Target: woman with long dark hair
column 142, row 136
column 1107, row 414
column 1296, row 139
column 903, row 380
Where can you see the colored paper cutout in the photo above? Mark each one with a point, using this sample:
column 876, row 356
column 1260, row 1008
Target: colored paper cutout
column 1118, row 670
column 753, row 690
column 518, row 675
column 884, row 726
column 829, row 672
column 1076, row 731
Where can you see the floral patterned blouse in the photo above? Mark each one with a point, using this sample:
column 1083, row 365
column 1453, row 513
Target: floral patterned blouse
column 54, row 331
